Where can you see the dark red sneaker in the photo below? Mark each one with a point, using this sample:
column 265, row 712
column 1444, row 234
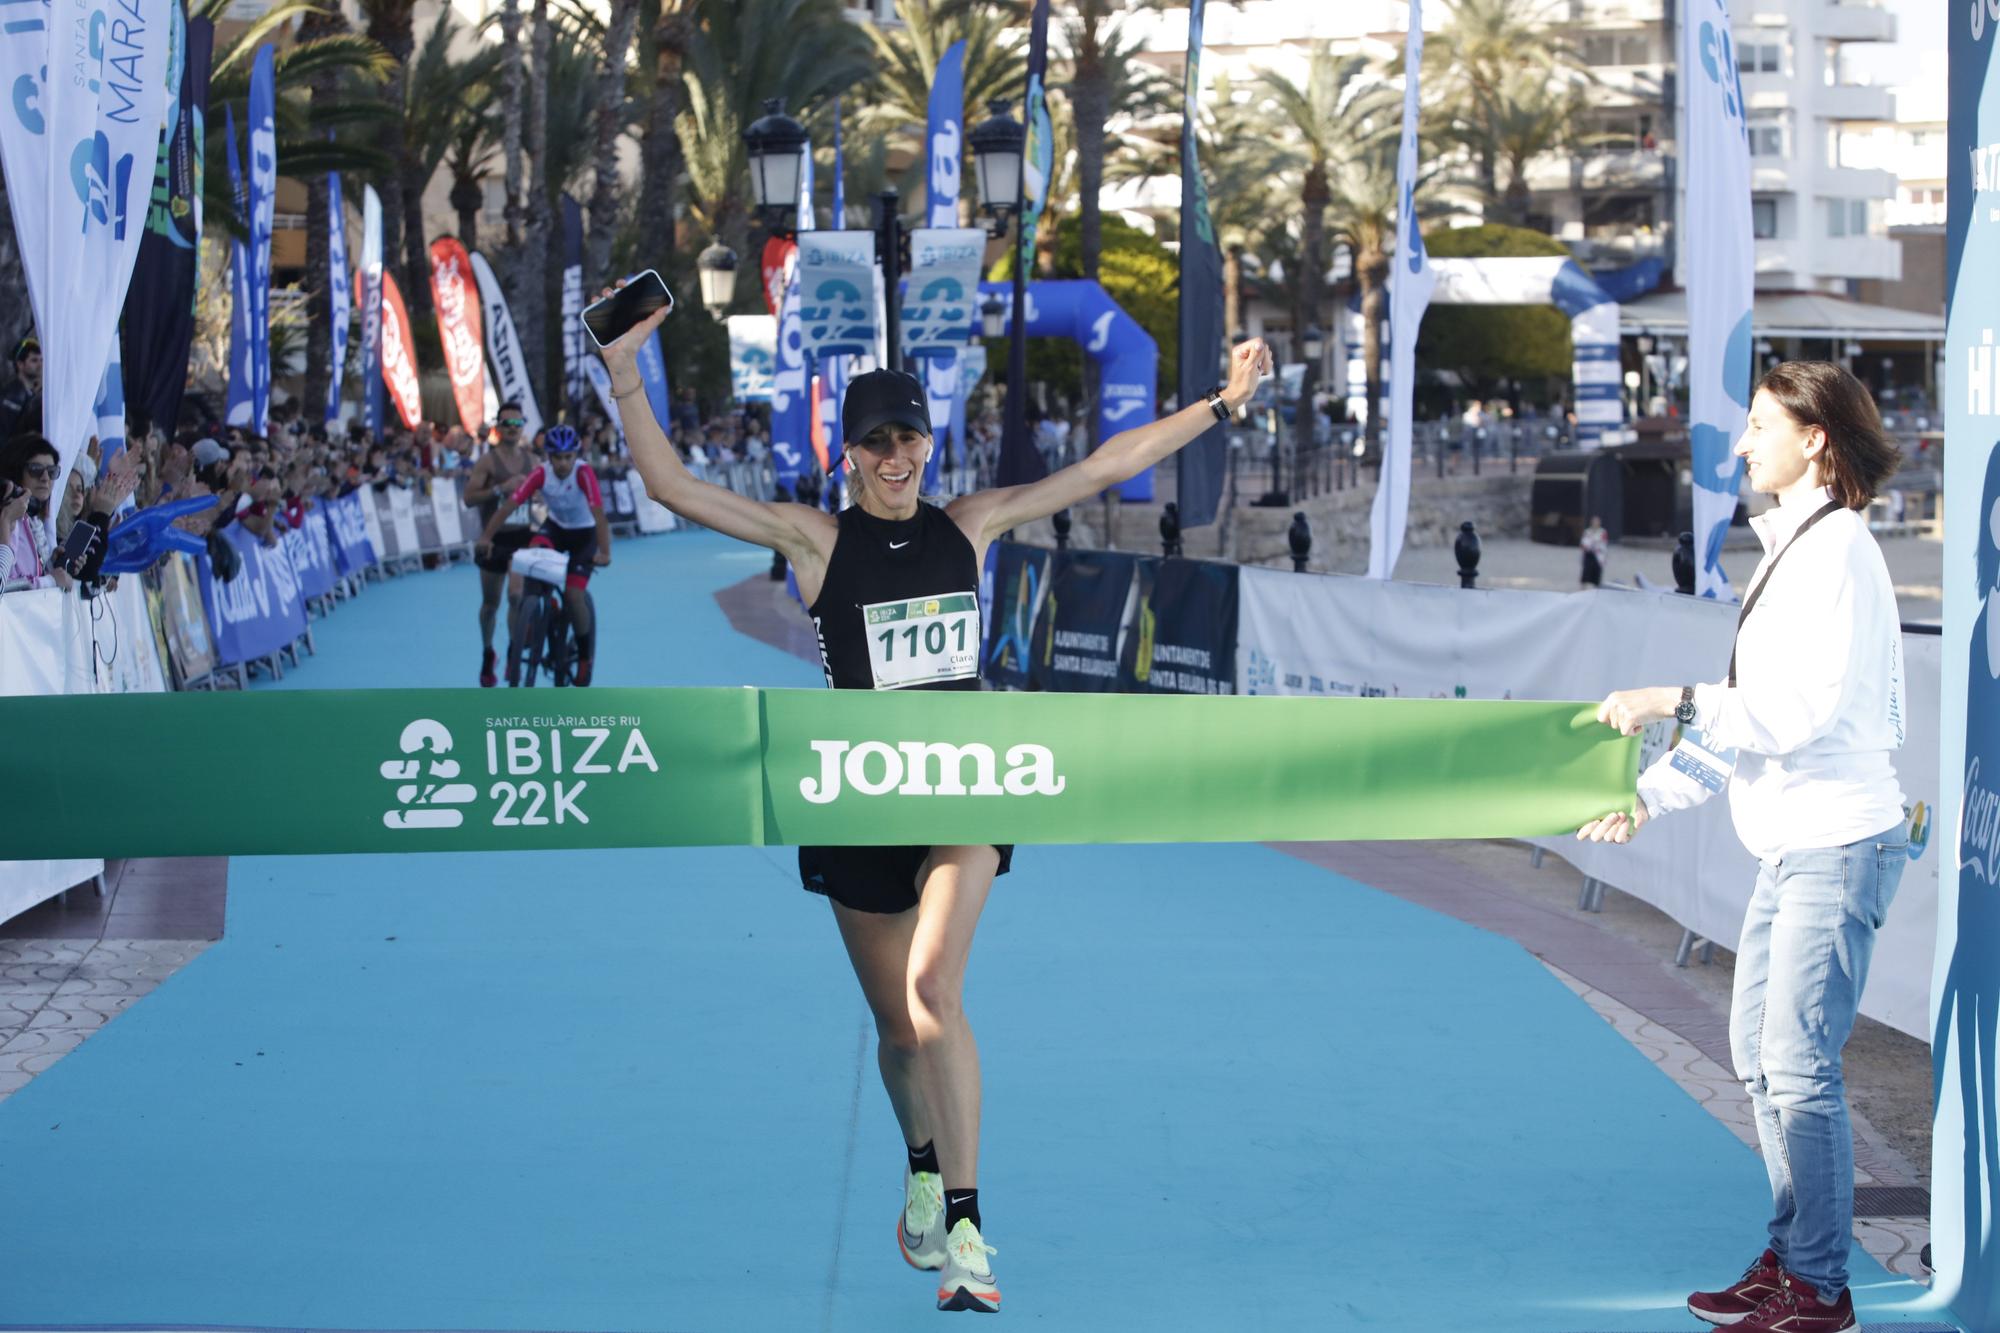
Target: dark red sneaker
column 1797, row 1308
column 583, row 665
column 1740, row 1299
column 487, row 680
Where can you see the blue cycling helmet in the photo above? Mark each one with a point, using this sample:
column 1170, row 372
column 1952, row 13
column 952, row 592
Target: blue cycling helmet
column 561, row 440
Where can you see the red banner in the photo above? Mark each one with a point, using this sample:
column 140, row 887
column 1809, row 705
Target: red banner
column 399, row 359
column 778, row 252
column 459, row 329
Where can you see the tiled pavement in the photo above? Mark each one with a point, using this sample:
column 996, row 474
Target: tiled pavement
column 74, row 964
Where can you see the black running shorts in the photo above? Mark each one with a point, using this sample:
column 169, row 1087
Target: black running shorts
column 872, row 879
column 499, row 557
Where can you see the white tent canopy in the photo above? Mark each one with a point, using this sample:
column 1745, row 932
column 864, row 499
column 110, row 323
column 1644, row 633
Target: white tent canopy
column 1790, row 315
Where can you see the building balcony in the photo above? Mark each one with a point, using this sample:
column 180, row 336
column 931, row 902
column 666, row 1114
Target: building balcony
column 1854, row 183
column 1627, row 85
column 1852, row 22
column 1607, row 246
column 1614, row 13
column 1854, row 101
column 1635, row 169
column 1816, row 258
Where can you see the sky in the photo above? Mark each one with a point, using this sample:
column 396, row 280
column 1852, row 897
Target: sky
column 1914, row 63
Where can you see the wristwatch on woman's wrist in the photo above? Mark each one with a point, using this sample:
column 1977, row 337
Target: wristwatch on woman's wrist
column 1219, row 405
column 1684, row 710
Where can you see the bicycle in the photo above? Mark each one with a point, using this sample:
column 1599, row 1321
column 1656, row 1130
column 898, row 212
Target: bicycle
column 542, row 637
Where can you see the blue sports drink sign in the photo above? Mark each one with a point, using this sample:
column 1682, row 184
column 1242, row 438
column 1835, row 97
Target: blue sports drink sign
column 1965, row 1043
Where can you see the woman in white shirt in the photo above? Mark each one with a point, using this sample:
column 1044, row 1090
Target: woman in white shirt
column 1810, row 713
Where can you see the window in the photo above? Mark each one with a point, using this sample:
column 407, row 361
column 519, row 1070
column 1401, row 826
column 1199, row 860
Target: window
column 1616, row 48
column 1760, row 57
column 1764, row 219
column 1767, row 134
column 1846, row 217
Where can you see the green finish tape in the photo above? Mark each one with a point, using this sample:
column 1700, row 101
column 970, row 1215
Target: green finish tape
column 479, row 770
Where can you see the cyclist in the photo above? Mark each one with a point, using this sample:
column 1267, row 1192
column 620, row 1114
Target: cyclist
column 499, row 470
column 576, row 527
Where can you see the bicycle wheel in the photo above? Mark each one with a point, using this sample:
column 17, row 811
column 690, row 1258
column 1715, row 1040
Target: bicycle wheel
column 560, row 651
column 534, row 636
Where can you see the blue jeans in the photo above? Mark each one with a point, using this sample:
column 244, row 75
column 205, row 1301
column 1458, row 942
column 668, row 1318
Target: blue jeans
column 1801, row 964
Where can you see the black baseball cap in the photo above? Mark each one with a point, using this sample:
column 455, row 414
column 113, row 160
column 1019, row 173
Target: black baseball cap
column 879, row 397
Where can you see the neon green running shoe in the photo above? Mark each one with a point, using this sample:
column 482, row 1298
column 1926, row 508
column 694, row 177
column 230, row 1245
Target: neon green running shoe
column 968, row 1279
column 920, row 1230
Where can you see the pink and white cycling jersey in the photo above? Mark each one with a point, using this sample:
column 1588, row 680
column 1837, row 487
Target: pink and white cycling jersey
column 570, row 500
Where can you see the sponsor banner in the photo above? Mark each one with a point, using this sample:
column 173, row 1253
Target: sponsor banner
column 940, row 300
column 1019, row 588
column 158, row 327
column 791, row 392
column 347, row 532
column 1410, row 283
column 942, row 399
column 371, row 308
column 1965, row 1045
column 575, row 349
column 652, row 362
column 260, row 610
column 944, row 138
column 183, row 620
column 1081, row 635
column 1186, row 639
column 338, row 284
column 1721, row 277
column 454, row 770
column 835, row 280
column 311, row 556
column 399, row 354
column 79, row 152
column 776, row 270
column 503, row 344
column 599, row 376
column 1202, row 464
column 1339, row 636
column 1038, row 156
column 241, row 401
column 457, row 297
column 753, row 355
column 263, row 155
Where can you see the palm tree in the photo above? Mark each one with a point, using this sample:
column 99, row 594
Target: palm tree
column 666, row 28
column 609, row 119
column 470, row 158
column 744, row 52
column 1345, row 118
column 1484, row 46
column 1524, row 116
column 309, row 128
column 533, row 274
column 317, row 81
column 996, row 64
column 392, row 23
column 448, row 117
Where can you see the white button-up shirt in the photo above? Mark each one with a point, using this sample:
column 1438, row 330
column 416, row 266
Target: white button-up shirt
column 1818, row 704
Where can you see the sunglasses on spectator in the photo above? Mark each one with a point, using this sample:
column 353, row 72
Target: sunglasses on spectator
column 514, row 421
column 45, row 470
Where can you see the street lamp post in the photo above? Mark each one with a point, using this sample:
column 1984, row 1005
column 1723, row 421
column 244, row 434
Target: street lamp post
column 1644, row 342
column 715, row 267
column 1313, row 345
column 999, row 143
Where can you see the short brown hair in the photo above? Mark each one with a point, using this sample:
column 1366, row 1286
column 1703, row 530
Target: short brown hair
column 1858, row 457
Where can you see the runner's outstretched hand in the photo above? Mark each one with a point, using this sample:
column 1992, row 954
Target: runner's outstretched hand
column 620, row 354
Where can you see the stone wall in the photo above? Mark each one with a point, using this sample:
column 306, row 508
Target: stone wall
column 1496, row 503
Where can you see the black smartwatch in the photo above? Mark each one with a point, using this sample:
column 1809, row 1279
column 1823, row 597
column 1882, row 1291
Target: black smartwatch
column 1217, row 405
column 1684, row 710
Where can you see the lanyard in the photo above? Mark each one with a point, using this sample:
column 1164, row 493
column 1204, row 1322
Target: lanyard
column 1831, row 506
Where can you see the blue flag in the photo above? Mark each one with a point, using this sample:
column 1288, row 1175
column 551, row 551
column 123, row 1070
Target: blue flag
column 337, row 289
column 242, row 307
column 1203, row 462
column 263, row 218
column 946, row 142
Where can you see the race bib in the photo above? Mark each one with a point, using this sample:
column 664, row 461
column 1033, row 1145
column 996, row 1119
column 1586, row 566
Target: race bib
column 923, row 640
column 1706, row 767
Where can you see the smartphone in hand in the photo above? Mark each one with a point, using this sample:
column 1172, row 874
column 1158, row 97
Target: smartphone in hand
column 610, row 319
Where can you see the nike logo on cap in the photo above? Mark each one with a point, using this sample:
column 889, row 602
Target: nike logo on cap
column 897, row 546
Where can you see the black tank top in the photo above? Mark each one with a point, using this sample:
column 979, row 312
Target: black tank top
column 900, row 605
